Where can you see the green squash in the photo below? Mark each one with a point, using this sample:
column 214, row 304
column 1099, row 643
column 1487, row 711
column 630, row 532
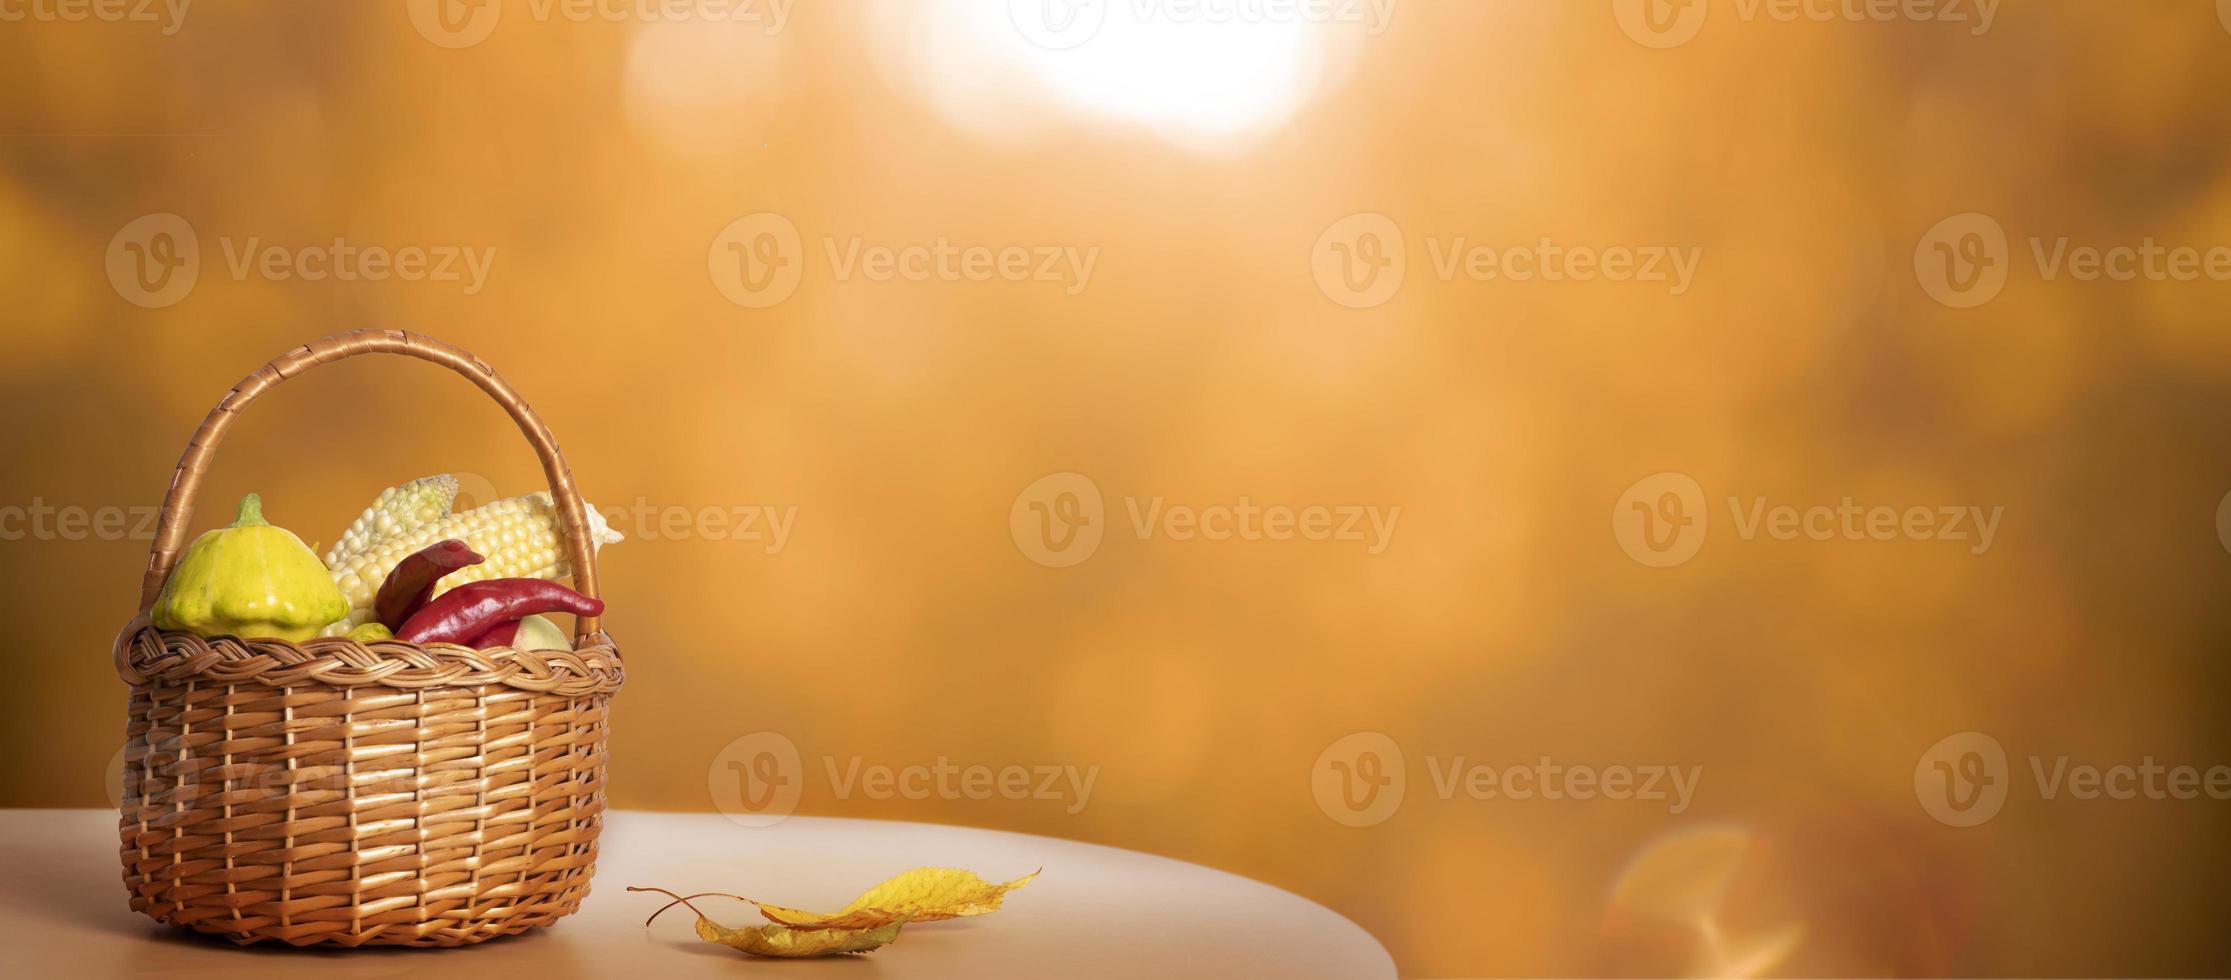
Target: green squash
column 249, row 580
column 371, row 633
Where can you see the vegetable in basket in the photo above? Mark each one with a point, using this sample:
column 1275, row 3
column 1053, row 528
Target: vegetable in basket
column 270, row 719
column 249, row 580
column 371, row 633
column 529, row 633
column 412, row 582
column 398, row 509
column 520, row 537
column 467, row 611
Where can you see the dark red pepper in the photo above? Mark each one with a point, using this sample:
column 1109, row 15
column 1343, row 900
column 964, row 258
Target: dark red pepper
column 499, row 635
column 465, row 612
column 412, row 582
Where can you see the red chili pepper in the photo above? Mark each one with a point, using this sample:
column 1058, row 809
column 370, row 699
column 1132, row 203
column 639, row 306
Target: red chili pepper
column 499, row 635
column 467, row 611
column 412, row 582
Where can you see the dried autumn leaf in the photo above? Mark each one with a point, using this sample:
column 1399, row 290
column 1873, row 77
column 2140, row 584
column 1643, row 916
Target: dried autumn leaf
column 788, row 943
column 781, row 941
column 920, row 895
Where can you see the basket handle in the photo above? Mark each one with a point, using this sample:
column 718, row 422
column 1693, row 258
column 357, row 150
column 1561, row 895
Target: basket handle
column 185, row 484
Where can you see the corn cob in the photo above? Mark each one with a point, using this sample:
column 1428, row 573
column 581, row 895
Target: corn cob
column 519, row 537
column 398, row 509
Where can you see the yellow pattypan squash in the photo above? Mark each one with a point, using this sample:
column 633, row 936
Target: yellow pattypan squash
column 249, row 580
column 371, row 633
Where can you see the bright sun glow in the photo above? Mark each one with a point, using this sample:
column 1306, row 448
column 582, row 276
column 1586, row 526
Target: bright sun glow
column 1211, row 77
column 1194, row 77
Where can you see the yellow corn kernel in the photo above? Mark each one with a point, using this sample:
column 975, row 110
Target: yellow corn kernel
column 397, row 509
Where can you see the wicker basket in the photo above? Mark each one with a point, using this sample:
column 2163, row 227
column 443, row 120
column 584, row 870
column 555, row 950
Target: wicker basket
column 352, row 794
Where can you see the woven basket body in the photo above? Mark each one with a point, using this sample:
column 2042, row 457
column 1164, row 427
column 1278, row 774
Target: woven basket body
column 345, row 793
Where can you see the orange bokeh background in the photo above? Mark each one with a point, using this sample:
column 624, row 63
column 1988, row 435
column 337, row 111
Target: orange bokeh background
column 902, row 620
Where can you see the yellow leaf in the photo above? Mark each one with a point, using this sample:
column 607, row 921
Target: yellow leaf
column 777, row 940
column 920, row 895
column 788, row 943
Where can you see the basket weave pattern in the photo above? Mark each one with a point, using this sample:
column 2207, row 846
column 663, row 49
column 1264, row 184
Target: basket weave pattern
column 345, row 793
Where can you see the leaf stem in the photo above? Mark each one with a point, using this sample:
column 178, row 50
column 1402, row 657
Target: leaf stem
column 680, row 900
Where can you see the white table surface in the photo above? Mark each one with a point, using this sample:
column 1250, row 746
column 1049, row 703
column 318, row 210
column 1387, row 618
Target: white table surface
column 1095, row 912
